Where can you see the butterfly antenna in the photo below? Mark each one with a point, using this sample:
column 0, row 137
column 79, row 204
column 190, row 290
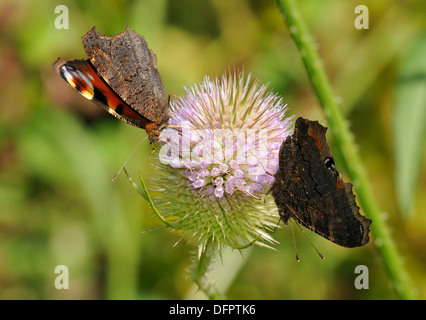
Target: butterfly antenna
column 294, row 241
column 319, row 253
column 128, row 158
column 248, row 193
column 266, row 171
column 178, row 127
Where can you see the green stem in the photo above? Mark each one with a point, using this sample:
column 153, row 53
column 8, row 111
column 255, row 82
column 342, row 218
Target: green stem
column 345, row 142
column 199, row 271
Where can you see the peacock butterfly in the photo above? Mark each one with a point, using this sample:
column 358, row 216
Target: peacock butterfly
column 309, row 189
column 121, row 76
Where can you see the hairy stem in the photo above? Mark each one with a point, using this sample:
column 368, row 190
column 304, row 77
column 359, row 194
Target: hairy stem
column 199, row 271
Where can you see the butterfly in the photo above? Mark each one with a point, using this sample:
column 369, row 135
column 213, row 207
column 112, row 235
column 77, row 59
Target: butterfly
column 121, row 76
column 308, row 188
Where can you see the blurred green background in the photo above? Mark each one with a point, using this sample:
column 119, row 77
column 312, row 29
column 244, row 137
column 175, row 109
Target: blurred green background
column 59, row 152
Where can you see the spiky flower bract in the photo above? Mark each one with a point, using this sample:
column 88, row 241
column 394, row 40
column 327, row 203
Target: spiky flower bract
column 218, row 157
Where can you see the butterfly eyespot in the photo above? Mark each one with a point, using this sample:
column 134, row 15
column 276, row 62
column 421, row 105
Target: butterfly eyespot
column 329, row 163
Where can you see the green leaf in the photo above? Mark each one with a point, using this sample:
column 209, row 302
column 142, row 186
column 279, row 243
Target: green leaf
column 145, row 194
column 409, row 119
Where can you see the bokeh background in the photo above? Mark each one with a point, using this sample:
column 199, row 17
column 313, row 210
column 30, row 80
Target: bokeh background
column 59, row 152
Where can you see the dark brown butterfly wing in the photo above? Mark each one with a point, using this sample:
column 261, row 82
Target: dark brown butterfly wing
column 127, row 64
column 309, row 189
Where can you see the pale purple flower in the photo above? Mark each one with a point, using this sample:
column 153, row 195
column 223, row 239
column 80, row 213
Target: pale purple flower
column 218, row 156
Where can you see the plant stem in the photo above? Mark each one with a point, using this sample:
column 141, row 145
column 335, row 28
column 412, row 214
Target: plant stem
column 345, row 142
column 199, row 271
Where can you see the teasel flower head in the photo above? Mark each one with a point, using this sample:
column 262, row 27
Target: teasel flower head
column 217, row 161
